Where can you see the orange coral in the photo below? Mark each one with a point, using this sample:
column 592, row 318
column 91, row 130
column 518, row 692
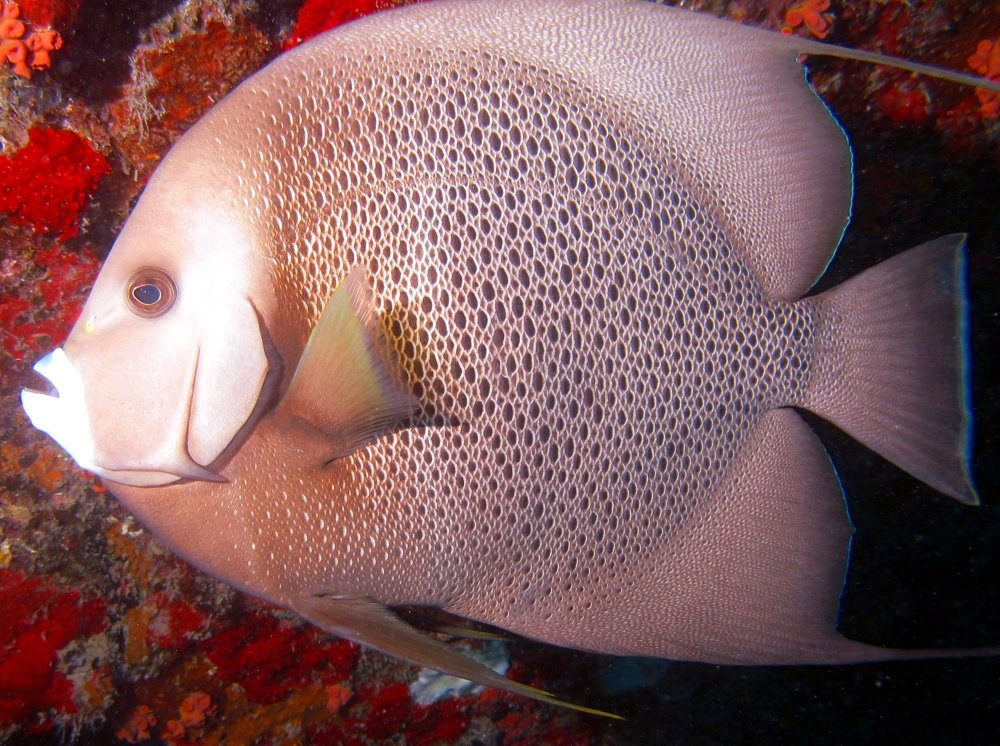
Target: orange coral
column 25, row 53
column 195, row 708
column 137, row 728
column 46, row 471
column 986, row 62
column 174, row 731
column 12, row 47
column 338, row 695
column 812, row 15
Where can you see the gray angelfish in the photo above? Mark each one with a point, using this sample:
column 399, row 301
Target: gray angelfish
column 497, row 307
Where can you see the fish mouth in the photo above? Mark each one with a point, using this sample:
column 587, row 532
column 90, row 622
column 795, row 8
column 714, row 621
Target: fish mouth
column 44, row 387
column 62, row 414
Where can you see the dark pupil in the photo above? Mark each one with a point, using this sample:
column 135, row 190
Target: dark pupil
column 148, row 295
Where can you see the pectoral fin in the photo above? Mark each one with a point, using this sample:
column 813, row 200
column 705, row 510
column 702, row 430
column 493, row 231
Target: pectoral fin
column 344, row 385
column 369, row 623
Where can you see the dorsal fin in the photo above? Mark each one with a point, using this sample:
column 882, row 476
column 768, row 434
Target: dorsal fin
column 343, row 385
column 730, row 109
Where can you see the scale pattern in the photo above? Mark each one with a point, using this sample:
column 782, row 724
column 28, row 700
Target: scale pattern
column 589, row 349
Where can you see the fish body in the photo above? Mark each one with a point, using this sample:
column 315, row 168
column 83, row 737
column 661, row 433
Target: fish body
column 497, row 307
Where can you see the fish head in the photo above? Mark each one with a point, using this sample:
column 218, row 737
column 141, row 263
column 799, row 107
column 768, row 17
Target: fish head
column 168, row 361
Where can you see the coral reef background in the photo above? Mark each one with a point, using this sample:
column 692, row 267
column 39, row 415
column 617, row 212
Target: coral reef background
column 105, row 637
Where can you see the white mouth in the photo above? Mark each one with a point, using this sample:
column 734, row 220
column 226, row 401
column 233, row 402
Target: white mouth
column 63, row 417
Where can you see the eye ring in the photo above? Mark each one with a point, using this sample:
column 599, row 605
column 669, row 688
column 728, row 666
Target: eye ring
column 150, row 292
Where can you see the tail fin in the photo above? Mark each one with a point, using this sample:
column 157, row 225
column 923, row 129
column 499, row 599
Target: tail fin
column 890, row 365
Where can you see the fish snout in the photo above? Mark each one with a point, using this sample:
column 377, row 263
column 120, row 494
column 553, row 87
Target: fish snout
column 64, row 416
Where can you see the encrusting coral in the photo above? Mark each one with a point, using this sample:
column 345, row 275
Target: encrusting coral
column 137, row 728
column 195, row 708
column 986, row 62
column 25, row 53
column 47, row 184
column 810, row 14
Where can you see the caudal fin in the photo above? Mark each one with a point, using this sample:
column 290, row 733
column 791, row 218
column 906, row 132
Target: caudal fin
column 890, row 365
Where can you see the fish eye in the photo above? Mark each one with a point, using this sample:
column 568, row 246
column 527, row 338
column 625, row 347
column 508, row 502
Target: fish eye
column 150, row 292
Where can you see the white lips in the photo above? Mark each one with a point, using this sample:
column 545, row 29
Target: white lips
column 63, row 417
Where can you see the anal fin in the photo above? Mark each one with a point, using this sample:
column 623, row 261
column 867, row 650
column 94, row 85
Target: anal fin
column 755, row 575
column 369, row 623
